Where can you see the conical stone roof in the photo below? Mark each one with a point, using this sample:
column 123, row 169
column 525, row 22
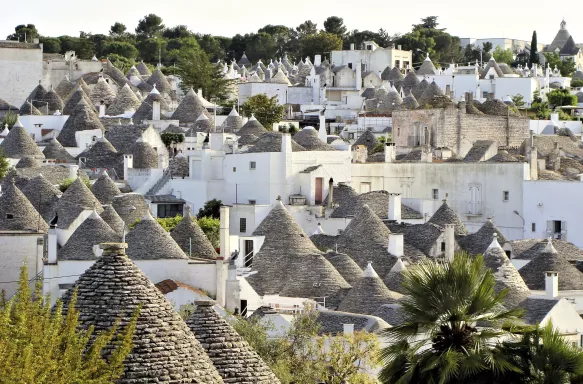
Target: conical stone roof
column 104, row 189
column 125, row 100
column 84, row 242
column 179, row 166
column 368, row 139
column 369, row 92
column 64, row 89
column 368, row 294
column 190, row 237
column 110, row 216
column 394, row 279
column 54, row 102
column 252, row 127
column 17, row 213
column 410, row 82
column 202, row 124
column 143, row 69
column 57, row 152
column 309, row 139
column 160, row 81
column 507, row 277
column 74, row 99
column 164, row 349
column 83, row 85
column 479, row 241
column 533, row 273
column 190, row 108
column 43, row 196
column 145, row 156
column 131, row 207
column 75, row 199
column 37, row 96
column 145, row 110
column 82, row 118
column 445, row 215
column 149, row 241
column 28, row 162
column 233, row 122
column 18, row 143
column 420, row 88
column 396, row 77
column 365, row 239
column 386, row 73
column 287, row 248
column 102, row 92
column 344, row 264
column 231, row 355
column 28, row 109
column 102, row 154
column 410, row 102
column 427, row 68
column 429, row 93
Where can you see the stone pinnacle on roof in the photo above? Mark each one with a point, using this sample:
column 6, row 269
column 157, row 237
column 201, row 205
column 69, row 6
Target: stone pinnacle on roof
column 149, row 241
column 231, row 355
column 18, row 143
column 83, row 243
column 548, row 259
column 368, row 294
column 190, row 237
column 43, row 196
column 506, row 275
column 82, row 118
column 445, row 215
column 75, row 199
column 164, row 348
column 17, row 213
column 104, row 189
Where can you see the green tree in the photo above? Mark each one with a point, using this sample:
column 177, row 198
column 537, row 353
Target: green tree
column 438, row 340
column 211, row 208
column 576, row 83
column 51, row 44
column 120, row 62
column 176, row 32
column 335, row 25
column 565, row 66
column 39, row 345
column 534, row 59
column 487, row 46
column 320, row 43
column 543, row 356
column 121, row 48
column 503, row 55
column 170, row 139
column 4, row 165
column 306, row 28
column 9, row 119
column 196, row 71
column 152, row 50
column 150, row 26
column 24, row 32
column 265, row 109
column 212, row 47
column 117, row 30
column 518, row 100
column 211, row 228
column 561, row 97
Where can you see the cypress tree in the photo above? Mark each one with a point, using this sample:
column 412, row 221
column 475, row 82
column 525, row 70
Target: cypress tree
column 533, row 50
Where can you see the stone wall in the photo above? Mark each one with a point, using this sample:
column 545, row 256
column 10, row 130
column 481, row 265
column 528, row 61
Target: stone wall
column 21, row 69
column 455, row 129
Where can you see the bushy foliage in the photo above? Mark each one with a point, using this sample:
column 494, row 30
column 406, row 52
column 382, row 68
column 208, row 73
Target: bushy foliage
column 4, row 165
column 561, row 97
column 65, row 184
column 303, row 356
column 209, row 225
column 41, row 345
column 265, row 109
column 9, row 119
column 211, row 208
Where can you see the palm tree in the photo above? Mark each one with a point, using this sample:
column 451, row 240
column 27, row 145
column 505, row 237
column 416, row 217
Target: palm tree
column 452, row 320
column 543, row 356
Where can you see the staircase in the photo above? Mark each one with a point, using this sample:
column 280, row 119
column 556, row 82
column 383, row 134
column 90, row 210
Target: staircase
column 160, row 183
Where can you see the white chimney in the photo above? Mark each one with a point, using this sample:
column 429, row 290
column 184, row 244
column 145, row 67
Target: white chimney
column 52, row 245
column 390, row 152
column 396, row 244
column 101, row 109
column 449, row 241
column 348, row 329
column 224, row 233
column 286, row 144
column 225, row 243
column 352, row 46
column 73, row 171
column 317, row 60
column 395, row 207
column 552, row 284
column 322, row 134
column 128, row 162
column 155, row 110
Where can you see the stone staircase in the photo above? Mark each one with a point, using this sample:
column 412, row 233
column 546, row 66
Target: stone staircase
column 160, row 183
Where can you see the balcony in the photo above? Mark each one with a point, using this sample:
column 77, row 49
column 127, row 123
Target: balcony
column 474, row 208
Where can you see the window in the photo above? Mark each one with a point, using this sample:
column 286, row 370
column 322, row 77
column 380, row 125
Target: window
column 234, row 169
column 252, row 165
column 443, row 246
column 557, row 229
column 9, row 216
column 350, row 65
column 533, row 227
column 506, row 195
column 242, row 225
column 435, row 194
column 252, row 202
column 170, row 210
column 398, row 131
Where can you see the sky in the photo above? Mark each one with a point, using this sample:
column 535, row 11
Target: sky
column 229, row 17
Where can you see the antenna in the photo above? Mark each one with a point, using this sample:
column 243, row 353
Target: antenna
column 160, row 55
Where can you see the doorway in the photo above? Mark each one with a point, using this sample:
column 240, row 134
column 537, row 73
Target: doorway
column 248, row 253
column 319, row 192
column 243, row 308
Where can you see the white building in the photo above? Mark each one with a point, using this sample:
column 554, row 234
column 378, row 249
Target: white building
column 21, row 69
